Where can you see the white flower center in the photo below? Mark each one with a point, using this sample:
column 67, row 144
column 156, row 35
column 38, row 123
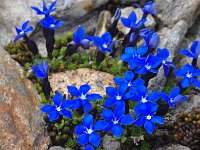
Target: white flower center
column 163, row 61
column 118, row 97
column 22, row 32
column 105, row 46
column 147, row 66
column 189, row 75
column 83, row 96
column 171, row 100
column 89, row 131
column 58, row 108
column 115, row 121
column 52, row 25
column 144, row 100
column 148, row 117
column 129, row 84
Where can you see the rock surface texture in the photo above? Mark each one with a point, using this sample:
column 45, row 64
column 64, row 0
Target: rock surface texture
column 96, row 79
column 172, row 11
column 109, row 143
column 174, row 147
column 21, row 122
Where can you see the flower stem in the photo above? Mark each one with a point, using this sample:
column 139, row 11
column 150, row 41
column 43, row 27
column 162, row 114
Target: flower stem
column 32, row 46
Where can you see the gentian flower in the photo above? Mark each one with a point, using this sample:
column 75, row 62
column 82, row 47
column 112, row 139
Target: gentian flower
column 50, row 23
column 115, row 95
column 80, row 38
column 41, row 70
column 83, row 97
column 127, row 80
column 130, row 22
column 59, row 107
column 148, row 119
column 104, row 42
column 133, row 56
column 190, row 74
column 117, row 119
column 46, row 11
column 194, row 50
column 86, row 132
column 151, row 38
column 163, row 54
column 148, row 64
column 144, row 100
column 150, row 8
column 22, row 32
column 174, row 97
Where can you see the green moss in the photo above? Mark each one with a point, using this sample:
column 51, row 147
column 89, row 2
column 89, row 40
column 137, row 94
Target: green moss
column 63, row 40
column 169, row 85
column 63, row 51
column 55, row 53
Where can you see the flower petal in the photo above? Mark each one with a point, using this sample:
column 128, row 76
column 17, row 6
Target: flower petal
column 186, row 53
column 142, row 50
column 132, row 17
column 119, row 109
column 185, row 82
column 149, row 126
column 57, row 99
column 129, row 76
column 83, row 139
column 54, row 115
column 154, row 96
column 100, row 125
column 174, row 92
column 47, row 108
column 117, row 130
column 86, row 106
column 157, row 119
column 73, row 90
column 94, row 139
column 196, row 82
column 126, row 22
column 126, row 120
column 66, row 113
column 88, row 120
column 89, row 147
column 110, row 91
column 109, row 102
column 84, row 88
column 79, row 129
column 106, row 37
column 118, row 80
column 107, row 114
column 140, row 121
column 94, row 97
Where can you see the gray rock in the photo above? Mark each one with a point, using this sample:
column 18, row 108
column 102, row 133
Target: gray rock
column 126, row 12
column 172, row 11
column 21, row 121
column 15, row 12
column 188, row 105
column 173, row 147
column 171, row 39
column 109, row 143
column 59, row 148
column 125, row 2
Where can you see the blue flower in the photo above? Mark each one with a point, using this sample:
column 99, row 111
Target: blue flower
column 86, row 132
column 21, row 32
column 46, row 11
column 150, row 8
column 189, row 73
column 174, row 97
column 151, row 38
column 144, row 100
column 82, row 96
column 194, row 50
column 130, row 22
column 104, row 42
column 133, row 56
column 117, row 119
column 50, row 23
column 41, row 70
column 80, row 38
column 127, row 81
column 163, row 54
column 115, row 95
column 148, row 64
column 148, row 119
column 59, row 107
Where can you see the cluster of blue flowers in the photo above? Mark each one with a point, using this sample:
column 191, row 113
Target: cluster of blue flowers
column 131, row 87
